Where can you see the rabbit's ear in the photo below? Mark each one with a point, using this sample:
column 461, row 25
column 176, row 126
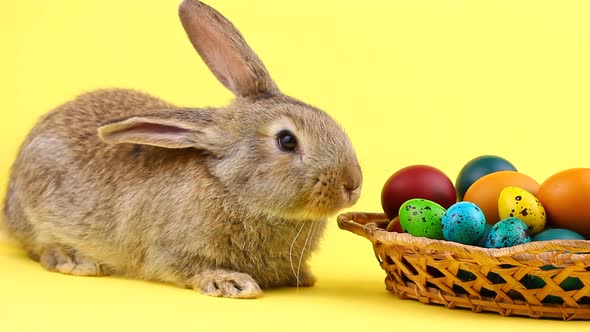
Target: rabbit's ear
column 225, row 51
column 173, row 129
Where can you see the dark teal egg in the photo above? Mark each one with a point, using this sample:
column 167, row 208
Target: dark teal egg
column 465, row 275
column 570, row 283
column 508, row 232
column 557, row 234
column 478, row 167
column 534, row 282
column 482, row 241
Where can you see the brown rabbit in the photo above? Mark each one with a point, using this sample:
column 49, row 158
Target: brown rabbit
column 225, row 201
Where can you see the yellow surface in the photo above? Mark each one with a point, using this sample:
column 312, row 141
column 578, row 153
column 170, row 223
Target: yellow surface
column 436, row 82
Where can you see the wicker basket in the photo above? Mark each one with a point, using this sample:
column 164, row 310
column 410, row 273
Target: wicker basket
column 523, row 280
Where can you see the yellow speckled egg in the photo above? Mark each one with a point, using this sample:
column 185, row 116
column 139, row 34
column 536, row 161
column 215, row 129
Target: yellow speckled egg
column 486, row 190
column 519, row 203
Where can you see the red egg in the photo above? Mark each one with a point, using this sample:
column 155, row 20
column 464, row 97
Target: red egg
column 395, row 226
column 417, row 181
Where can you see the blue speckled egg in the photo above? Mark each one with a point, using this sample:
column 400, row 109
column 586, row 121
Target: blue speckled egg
column 463, row 222
column 422, row 217
column 508, row 232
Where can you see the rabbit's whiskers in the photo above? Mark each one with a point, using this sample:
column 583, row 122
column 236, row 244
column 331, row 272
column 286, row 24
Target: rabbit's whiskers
column 312, row 228
column 295, row 273
column 316, row 208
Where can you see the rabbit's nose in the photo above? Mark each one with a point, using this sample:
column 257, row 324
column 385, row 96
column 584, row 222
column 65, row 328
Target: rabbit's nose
column 353, row 178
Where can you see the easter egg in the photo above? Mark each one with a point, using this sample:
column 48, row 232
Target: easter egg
column 485, row 192
column 394, row 226
column 421, row 217
column 566, row 198
column 463, row 222
column 482, row 240
column 507, row 233
column 557, row 234
column 519, row 203
column 477, row 168
column 568, row 284
column 465, row 275
column 416, row 181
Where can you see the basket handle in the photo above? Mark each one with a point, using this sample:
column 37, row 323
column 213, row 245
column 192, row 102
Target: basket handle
column 363, row 224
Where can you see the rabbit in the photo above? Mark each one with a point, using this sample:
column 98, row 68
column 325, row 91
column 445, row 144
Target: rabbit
column 226, row 201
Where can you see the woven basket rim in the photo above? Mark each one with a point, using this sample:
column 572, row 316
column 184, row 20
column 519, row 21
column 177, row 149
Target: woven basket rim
column 481, row 279
column 553, row 250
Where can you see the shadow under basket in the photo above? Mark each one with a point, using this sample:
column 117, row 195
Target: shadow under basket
column 541, row 279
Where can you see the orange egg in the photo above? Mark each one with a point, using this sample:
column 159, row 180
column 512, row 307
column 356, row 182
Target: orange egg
column 566, row 198
column 486, row 190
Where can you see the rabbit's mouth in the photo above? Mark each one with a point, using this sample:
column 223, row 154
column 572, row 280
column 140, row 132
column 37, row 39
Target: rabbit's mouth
column 327, row 198
column 353, row 196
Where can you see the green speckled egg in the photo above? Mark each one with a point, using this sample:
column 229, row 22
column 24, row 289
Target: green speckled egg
column 422, row 217
column 508, row 232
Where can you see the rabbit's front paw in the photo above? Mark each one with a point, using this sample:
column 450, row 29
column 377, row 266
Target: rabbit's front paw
column 223, row 283
column 69, row 261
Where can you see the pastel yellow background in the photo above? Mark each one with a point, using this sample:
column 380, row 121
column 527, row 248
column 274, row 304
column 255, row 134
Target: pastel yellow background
column 416, row 81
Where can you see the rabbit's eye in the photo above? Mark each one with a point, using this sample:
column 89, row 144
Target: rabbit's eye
column 287, row 141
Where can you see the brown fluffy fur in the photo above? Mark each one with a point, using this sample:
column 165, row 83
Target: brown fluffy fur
column 120, row 182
